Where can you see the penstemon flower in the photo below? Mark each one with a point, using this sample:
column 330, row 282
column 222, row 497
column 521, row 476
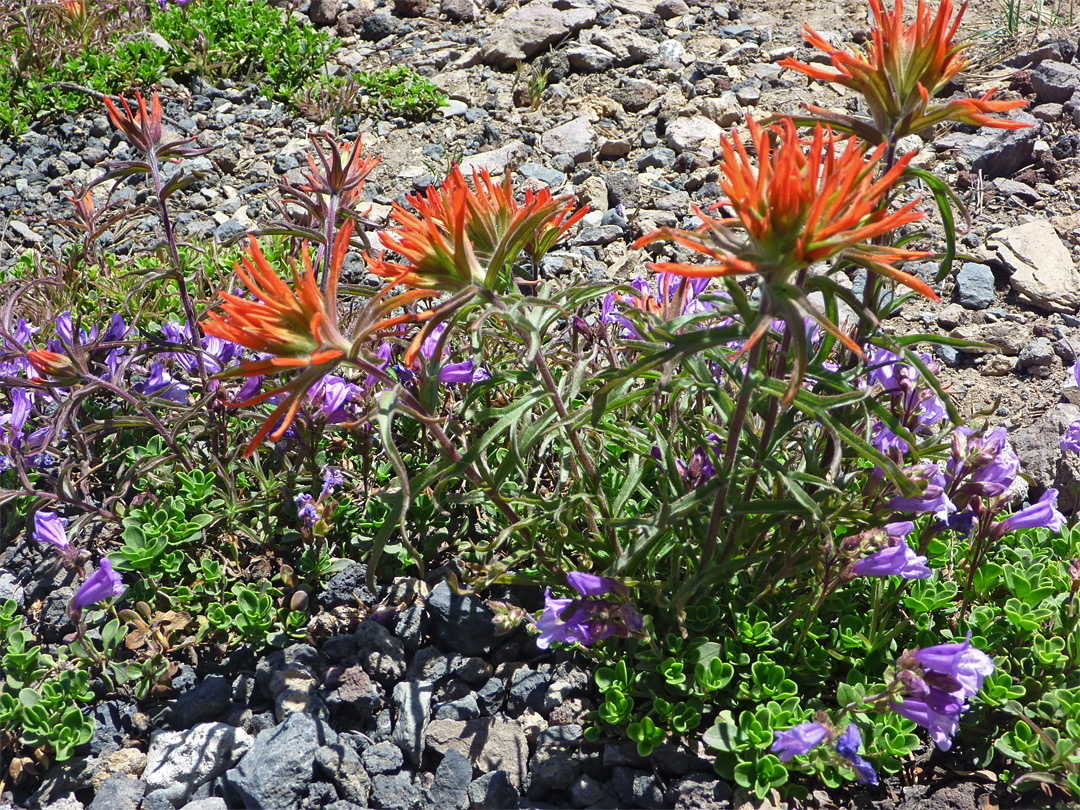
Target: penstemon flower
column 800, row 205
column 461, row 236
column 903, row 68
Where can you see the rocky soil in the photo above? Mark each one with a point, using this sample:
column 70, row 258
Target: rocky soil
column 427, row 708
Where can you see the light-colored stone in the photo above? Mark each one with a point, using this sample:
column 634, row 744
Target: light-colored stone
column 627, row 47
column 1008, row 338
column 526, row 31
column 490, row 743
column 497, row 160
column 695, row 133
column 593, row 193
column 575, row 138
column 180, row 761
column 127, row 761
column 724, row 110
column 1041, row 267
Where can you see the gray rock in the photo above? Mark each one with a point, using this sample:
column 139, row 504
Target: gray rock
column 118, row 792
column 670, row 9
column 700, row 791
column 397, row 792
column 1038, row 353
column 1055, row 81
column 598, row 235
column 409, row 625
column 636, row 788
column 112, row 726
column 627, row 47
column 380, row 654
column 492, row 695
column 975, row 286
column 586, row 791
column 495, row 160
column 429, row 664
column 635, row 94
column 1006, row 151
column 379, row 25
column 279, row 660
column 459, row 10
column 552, row 768
column 659, row 157
column 590, row 58
column 452, row 779
column 472, row 670
column 526, row 31
column 341, row 765
column 1040, row 266
column 534, row 171
column 354, row 689
column 324, row 12
column 347, row 587
column 672, row 54
column 209, row 803
column 413, row 702
column 278, row 770
column 338, row 648
column 527, row 689
column 384, row 757
column 465, row 708
column 460, row 623
column 494, row 791
column 575, row 138
column 1009, row 337
column 179, row 762
column 1038, row 446
column 694, row 133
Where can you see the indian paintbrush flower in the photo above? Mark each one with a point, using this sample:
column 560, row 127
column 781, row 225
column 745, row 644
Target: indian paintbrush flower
column 295, row 327
column 902, row 69
column 801, row 204
column 461, row 236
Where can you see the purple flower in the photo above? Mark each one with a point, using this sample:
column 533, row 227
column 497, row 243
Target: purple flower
column 933, row 498
column 590, row 619
column 986, row 462
column 798, row 740
column 332, row 394
column 21, row 404
column 331, row 478
column 966, row 664
column 463, row 372
column 898, row 560
column 48, row 528
column 1070, row 441
column 305, row 508
column 942, row 725
column 161, row 384
column 939, row 681
column 590, row 584
column 848, row 746
column 1043, row 513
column 101, row 584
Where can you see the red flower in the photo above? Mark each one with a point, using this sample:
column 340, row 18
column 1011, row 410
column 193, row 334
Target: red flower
column 903, row 68
column 461, row 237
column 53, row 366
column 798, row 206
column 297, row 326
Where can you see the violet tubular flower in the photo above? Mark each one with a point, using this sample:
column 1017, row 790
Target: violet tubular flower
column 798, row 740
column 939, row 681
column 1041, row 514
column 898, row 560
column 848, row 746
column 101, row 584
column 589, row 619
column 1070, row 440
column 49, row 528
column 933, row 498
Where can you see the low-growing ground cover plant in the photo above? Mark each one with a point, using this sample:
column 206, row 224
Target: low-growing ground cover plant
column 766, row 524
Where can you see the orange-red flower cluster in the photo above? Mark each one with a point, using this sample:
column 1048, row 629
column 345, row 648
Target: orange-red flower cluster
column 297, row 326
column 903, row 68
column 463, row 236
column 799, row 205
